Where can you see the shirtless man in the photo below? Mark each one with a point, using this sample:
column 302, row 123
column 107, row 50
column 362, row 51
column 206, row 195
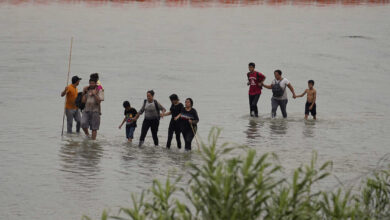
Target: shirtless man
column 311, row 100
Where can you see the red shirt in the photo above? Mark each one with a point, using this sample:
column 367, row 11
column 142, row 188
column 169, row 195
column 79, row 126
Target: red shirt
column 254, row 79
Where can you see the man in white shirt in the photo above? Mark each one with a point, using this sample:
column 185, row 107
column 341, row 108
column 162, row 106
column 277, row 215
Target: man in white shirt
column 279, row 89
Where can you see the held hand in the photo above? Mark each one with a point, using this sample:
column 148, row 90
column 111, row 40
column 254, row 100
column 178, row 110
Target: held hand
column 311, row 107
column 294, row 96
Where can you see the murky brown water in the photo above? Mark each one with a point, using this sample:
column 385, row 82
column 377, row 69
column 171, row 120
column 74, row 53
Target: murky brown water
column 199, row 52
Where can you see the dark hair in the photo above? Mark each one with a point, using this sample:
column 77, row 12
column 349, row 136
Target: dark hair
column 126, row 104
column 192, row 101
column 278, row 71
column 94, row 76
column 151, row 92
column 252, row 64
column 93, row 80
column 75, row 80
column 173, row 97
column 311, row 82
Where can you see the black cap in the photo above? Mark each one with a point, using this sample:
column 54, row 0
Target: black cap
column 75, row 79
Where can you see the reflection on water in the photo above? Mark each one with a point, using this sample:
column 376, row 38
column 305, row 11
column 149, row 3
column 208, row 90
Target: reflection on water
column 278, row 127
column 253, row 130
column 80, row 158
column 309, row 129
column 128, row 152
column 203, row 3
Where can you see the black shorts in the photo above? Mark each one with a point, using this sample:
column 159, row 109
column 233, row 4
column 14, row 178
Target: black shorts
column 313, row 111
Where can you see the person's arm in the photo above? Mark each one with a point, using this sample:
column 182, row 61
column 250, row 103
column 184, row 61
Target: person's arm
column 292, row 90
column 196, row 118
column 63, row 93
column 124, row 120
column 314, row 99
column 84, row 98
column 85, row 92
column 135, row 117
column 267, row 86
column 162, row 109
column 99, row 95
column 141, row 111
column 177, row 117
column 262, row 81
column 301, row 95
column 166, row 114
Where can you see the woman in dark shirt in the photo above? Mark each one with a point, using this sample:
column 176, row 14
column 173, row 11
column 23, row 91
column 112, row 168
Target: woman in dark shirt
column 189, row 122
column 174, row 126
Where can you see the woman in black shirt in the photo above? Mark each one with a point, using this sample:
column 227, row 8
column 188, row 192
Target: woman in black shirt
column 189, row 122
column 174, row 126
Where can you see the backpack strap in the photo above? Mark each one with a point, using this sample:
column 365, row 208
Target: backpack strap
column 157, row 109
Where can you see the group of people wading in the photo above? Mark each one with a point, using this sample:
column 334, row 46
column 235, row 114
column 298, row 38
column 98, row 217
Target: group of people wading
column 184, row 118
column 279, row 93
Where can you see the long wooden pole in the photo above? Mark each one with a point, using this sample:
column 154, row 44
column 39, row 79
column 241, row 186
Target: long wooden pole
column 196, row 137
column 67, row 82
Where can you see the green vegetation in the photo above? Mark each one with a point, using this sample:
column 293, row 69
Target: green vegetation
column 253, row 187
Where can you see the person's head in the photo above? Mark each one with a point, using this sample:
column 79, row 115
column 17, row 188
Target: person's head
column 92, row 83
column 126, row 105
column 174, row 99
column 251, row 67
column 310, row 83
column 150, row 95
column 278, row 74
column 76, row 80
column 189, row 103
column 94, row 76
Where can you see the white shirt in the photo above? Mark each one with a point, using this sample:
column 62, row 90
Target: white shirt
column 283, row 83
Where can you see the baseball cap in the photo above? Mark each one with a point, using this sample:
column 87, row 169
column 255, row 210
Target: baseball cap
column 75, row 79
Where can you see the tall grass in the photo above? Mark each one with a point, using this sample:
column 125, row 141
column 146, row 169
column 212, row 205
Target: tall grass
column 253, row 187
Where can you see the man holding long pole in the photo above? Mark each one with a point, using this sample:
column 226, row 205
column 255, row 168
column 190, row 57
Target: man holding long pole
column 71, row 110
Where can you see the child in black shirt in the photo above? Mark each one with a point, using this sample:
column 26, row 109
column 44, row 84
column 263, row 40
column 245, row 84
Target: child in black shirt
column 131, row 123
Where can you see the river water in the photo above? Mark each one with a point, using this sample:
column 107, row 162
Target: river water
column 196, row 49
